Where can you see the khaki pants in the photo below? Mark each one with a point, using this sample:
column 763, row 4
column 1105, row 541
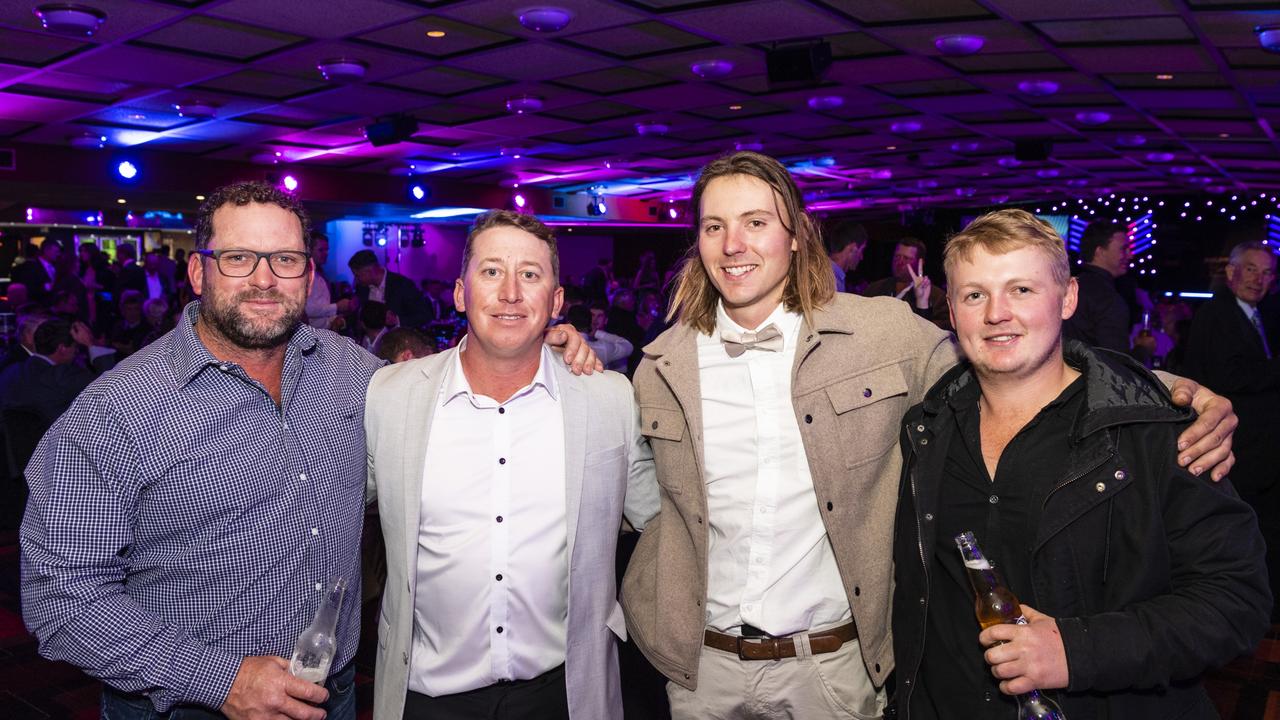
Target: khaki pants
column 806, row 687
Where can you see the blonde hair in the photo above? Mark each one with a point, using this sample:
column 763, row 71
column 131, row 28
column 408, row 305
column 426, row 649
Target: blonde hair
column 1004, row 231
column 810, row 282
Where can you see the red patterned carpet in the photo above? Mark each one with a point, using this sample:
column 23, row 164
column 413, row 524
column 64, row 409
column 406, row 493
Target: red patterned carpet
column 34, row 689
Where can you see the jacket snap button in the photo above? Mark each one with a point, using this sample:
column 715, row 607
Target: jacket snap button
column 654, row 425
column 928, row 517
column 1120, row 475
column 866, row 392
column 857, row 591
column 808, row 418
column 877, row 667
column 919, row 428
column 1100, row 487
column 924, row 441
column 830, row 506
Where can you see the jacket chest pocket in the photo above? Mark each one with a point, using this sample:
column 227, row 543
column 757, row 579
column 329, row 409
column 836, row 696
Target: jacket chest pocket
column 869, row 409
column 665, row 430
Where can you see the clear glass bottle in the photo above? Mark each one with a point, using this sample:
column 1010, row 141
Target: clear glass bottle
column 994, row 604
column 314, row 651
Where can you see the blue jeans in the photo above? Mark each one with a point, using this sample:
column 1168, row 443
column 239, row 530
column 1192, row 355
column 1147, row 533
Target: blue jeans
column 119, row 706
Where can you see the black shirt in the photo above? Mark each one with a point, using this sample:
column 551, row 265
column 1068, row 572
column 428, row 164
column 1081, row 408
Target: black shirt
column 1002, row 513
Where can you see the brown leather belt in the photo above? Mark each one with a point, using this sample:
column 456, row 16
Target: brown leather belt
column 770, row 648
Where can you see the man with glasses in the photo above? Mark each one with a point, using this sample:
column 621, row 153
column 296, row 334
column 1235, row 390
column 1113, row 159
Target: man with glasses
column 189, row 506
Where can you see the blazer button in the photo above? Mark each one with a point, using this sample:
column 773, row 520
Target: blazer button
column 857, row 591
column 830, row 506
column 1121, row 474
column 808, row 419
column 1100, row 487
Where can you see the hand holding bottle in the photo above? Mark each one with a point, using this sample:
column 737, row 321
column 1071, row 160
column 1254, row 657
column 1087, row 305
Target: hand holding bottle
column 263, row 687
column 1026, row 657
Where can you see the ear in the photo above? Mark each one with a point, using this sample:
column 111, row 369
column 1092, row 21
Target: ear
column 459, row 296
column 557, row 301
column 1070, row 298
column 195, row 272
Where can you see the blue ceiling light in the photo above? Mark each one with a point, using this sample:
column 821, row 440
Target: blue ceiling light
column 544, row 19
column 417, row 192
column 711, row 68
column 825, row 102
column 127, row 170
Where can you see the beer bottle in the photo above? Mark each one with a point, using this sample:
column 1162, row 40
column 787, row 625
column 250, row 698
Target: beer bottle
column 995, row 604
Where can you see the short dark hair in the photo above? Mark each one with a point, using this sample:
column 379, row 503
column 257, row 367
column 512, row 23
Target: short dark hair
column 362, row 259
column 579, row 316
column 921, row 250
column 521, row 221
column 1097, row 235
column 53, row 334
column 397, row 340
column 843, row 235
column 240, row 194
column 373, row 314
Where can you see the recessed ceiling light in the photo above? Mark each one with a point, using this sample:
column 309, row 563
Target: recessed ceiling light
column 890, row 147
column 825, row 102
column 1038, row 88
column 200, row 198
column 545, row 18
column 906, row 126
column 69, row 19
column 652, row 128
column 121, row 201
column 1224, row 135
column 1269, row 37
column 959, row 45
column 735, row 107
column 712, row 68
column 435, row 33
column 524, row 104
column 1093, row 117
column 342, row 69
column 1164, row 76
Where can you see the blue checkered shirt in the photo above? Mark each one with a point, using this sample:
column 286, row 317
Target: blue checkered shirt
column 179, row 520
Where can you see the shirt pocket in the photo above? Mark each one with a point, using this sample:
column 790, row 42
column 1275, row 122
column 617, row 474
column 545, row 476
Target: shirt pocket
column 869, row 409
column 665, row 430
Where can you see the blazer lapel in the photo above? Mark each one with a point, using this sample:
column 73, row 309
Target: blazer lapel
column 420, row 406
column 573, row 406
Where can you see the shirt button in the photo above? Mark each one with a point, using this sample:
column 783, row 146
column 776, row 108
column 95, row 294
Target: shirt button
column 405, row 657
column 286, row 424
column 502, row 461
column 499, row 577
column 993, row 499
column 224, row 367
column 302, row 477
column 499, row 518
column 499, row 629
column 502, row 411
column 319, row 586
column 315, row 531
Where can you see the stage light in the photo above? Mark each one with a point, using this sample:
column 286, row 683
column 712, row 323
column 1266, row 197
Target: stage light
column 366, row 236
column 673, row 212
column 519, row 201
column 417, row 192
column 290, row 183
column 127, row 170
column 418, row 240
column 381, row 236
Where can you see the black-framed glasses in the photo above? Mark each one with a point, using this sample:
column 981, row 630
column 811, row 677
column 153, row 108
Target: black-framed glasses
column 286, row 264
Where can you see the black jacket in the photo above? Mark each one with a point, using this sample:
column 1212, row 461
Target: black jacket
column 1225, row 353
column 1154, row 575
column 1101, row 318
column 404, row 299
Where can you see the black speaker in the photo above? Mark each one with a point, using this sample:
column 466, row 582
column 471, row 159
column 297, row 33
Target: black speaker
column 1032, row 150
column 390, row 131
column 798, row 64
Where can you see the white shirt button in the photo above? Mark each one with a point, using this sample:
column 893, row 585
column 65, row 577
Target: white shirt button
column 302, row 477
column 315, row 531
column 319, row 586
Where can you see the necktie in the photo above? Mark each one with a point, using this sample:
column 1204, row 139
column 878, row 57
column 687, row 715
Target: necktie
column 768, row 338
column 1262, row 334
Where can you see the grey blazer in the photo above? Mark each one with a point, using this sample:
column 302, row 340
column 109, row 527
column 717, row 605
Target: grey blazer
column 608, row 465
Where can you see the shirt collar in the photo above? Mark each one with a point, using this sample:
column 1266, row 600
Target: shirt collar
column 1248, row 309
column 455, row 382
column 190, row 356
column 786, row 321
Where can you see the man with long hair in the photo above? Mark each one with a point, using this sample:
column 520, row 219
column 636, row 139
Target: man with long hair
column 773, row 407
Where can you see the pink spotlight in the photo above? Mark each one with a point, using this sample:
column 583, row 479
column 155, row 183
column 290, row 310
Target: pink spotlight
column 520, row 201
column 673, row 212
column 290, row 183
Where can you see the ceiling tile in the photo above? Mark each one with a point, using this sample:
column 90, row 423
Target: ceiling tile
column 338, row 19
column 218, row 38
column 148, row 67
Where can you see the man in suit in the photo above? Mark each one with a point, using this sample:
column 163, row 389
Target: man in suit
column 46, row 383
column 1102, row 317
column 773, row 407
column 1233, row 349
column 910, row 283
column 402, row 297
column 37, row 273
column 501, row 482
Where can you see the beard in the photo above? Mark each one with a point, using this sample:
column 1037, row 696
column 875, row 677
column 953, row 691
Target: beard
column 223, row 313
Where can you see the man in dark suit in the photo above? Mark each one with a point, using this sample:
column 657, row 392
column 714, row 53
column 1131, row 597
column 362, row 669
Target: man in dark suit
column 46, row 383
column 401, row 296
column 1232, row 349
column 36, row 273
column 910, row 283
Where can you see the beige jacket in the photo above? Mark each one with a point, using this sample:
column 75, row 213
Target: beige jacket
column 857, row 370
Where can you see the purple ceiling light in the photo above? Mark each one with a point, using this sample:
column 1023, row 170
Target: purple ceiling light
column 524, row 104
column 966, row 191
column 882, row 174
column 652, row 128
column 1182, row 170
column 1159, row 157
column 1047, row 173
column 926, row 183
column 87, row 141
column 754, row 145
column 1038, row 88
column 545, row 18
column 1134, row 140
column 1009, row 162
column 711, row 69
column 1077, row 182
column 1093, row 117
column 825, row 102
column 69, row 18
column 966, row 146
column 906, row 127
column 342, row 69
column 197, row 109
column 1269, row 37
column 959, row 45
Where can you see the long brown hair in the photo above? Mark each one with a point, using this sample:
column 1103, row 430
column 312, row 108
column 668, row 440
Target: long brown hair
column 810, row 280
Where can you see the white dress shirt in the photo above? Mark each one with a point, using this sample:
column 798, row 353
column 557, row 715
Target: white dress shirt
column 378, row 293
column 770, row 563
column 492, row 574
column 321, row 310
column 155, row 287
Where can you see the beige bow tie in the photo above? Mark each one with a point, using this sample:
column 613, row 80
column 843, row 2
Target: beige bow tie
column 768, row 338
